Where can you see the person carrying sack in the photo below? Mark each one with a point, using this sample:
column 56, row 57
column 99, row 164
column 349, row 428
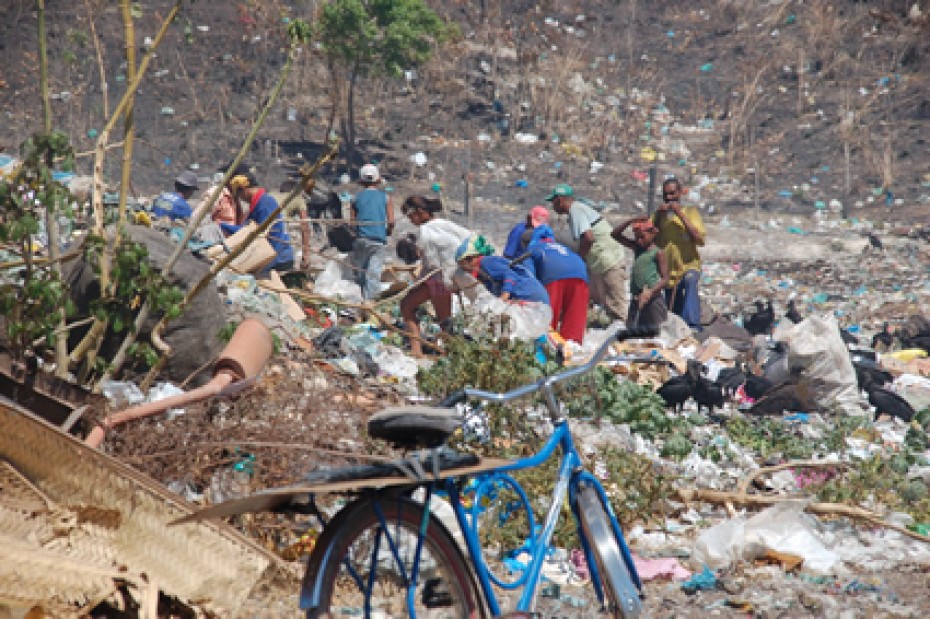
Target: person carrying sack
column 259, row 205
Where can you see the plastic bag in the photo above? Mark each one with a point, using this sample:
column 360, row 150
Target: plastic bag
column 527, row 321
column 674, row 330
column 783, row 527
column 336, row 281
column 817, row 350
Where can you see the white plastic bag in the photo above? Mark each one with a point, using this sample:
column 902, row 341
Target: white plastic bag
column 784, row 527
column 817, row 350
column 527, row 321
column 721, row 545
column 674, row 330
column 336, row 281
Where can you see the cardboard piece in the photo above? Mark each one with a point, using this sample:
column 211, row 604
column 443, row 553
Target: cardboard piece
column 294, row 311
column 275, row 497
column 258, row 255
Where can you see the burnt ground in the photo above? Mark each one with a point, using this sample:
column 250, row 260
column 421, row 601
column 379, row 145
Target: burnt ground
column 771, row 83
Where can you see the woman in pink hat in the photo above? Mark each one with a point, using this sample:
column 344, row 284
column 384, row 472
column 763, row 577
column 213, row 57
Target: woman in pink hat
column 537, row 216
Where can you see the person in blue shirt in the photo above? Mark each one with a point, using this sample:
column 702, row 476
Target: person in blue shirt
column 259, row 205
column 373, row 214
column 174, row 204
column 565, row 277
column 515, row 246
column 503, row 278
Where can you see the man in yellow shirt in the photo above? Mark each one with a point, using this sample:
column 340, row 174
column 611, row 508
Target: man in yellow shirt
column 681, row 233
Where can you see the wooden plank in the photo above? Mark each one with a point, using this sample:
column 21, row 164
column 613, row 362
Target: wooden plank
column 275, row 497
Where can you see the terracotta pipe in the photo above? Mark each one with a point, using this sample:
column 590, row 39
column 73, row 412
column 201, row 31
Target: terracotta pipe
column 241, row 361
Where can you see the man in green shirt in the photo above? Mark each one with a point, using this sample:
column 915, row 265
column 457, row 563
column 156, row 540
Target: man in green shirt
column 603, row 254
column 681, row 233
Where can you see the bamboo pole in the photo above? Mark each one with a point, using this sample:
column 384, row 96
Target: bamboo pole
column 90, row 341
column 129, row 133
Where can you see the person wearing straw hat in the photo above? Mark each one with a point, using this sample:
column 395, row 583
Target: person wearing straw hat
column 373, row 214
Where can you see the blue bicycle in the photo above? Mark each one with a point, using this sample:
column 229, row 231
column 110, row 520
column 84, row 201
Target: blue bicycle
column 387, row 554
column 407, row 545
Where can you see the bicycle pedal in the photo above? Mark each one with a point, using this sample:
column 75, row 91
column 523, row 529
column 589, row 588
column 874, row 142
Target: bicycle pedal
column 436, row 594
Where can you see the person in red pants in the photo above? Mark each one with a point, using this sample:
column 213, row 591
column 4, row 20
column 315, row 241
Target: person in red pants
column 565, row 277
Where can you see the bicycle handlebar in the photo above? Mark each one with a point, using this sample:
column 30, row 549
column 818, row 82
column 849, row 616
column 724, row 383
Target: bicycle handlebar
column 631, row 333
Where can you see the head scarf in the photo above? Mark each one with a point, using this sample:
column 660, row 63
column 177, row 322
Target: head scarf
column 475, row 245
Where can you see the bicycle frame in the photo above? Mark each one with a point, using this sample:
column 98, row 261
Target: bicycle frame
column 569, row 477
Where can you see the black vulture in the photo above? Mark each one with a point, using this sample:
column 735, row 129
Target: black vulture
column 760, row 323
column 731, row 379
column 705, row 391
column 887, row 402
column 848, row 338
column 787, row 397
column 757, row 386
column 676, row 391
column 868, row 373
column 875, row 242
column 792, row 314
column 862, row 354
column 917, row 341
column 883, row 340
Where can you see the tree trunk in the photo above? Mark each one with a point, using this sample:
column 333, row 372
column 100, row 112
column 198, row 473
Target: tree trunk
column 336, row 98
column 350, row 125
column 51, row 216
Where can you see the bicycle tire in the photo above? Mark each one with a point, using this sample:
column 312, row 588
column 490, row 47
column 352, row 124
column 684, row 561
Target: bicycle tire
column 622, row 594
column 326, row 568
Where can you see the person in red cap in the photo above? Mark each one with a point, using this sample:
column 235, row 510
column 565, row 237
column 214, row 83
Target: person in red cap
column 537, row 216
column 649, row 274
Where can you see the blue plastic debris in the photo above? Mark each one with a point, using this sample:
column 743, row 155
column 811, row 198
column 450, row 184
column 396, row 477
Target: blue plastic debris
column 513, row 566
column 799, row 417
column 707, row 67
column 705, row 581
column 784, row 193
column 522, row 183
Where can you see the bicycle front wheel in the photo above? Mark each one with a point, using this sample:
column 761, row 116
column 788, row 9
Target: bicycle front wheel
column 623, row 597
column 366, row 559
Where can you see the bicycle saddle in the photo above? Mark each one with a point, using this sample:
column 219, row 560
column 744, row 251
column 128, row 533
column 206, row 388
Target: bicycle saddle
column 414, row 426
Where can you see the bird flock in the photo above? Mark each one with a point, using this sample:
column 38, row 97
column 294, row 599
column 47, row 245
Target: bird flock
column 769, row 392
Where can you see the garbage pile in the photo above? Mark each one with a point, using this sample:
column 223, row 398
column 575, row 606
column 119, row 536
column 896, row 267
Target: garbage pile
column 780, row 482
